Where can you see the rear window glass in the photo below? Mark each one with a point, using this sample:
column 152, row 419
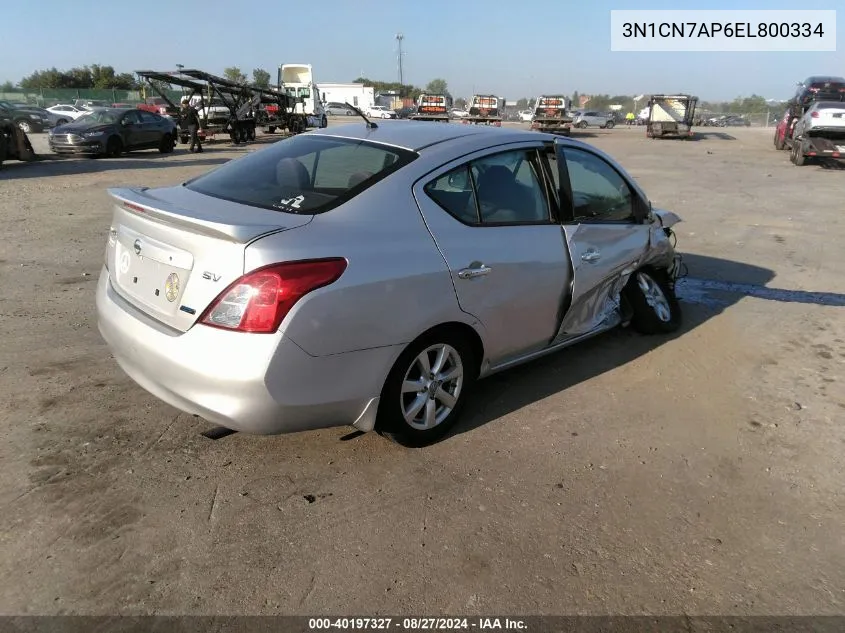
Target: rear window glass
column 303, row 174
column 829, row 105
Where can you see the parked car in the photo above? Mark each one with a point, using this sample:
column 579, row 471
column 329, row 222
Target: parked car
column 357, row 275
column 91, row 104
column 380, row 112
column 526, row 115
column 584, row 119
column 458, row 113
column 113, row 131
column 27, row 118
column 52, row 119
column 734, row 121
column 66, row 113
column 406, row 112
column 158, row 105
column 830, row 87
column 822, row 117
column 333, row 108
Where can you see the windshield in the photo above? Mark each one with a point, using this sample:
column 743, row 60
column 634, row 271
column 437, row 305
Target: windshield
column 303, row 174
column 99, row 116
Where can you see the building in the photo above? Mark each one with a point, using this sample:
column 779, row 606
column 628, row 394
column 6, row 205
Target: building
column 358, row 95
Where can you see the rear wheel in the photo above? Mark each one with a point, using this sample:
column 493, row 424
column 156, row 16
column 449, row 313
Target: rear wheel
column 426, row 390
column 582, row 124
column 653, row 302
column 610, row 125
column 324, row 122
column 797, row 154
column 779, row 142
column 166, row 144
column 25, row 126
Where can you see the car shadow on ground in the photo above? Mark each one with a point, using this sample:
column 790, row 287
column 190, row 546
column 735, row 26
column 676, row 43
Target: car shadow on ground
column 51, row 165
column 828, row 164
column 701, row 136
column 712, row 286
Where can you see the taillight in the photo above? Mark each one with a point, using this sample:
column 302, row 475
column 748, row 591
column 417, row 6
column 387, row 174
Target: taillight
column 260, row 300
column 814, row 114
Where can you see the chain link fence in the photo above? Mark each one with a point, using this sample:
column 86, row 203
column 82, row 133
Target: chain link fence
column 44, row 98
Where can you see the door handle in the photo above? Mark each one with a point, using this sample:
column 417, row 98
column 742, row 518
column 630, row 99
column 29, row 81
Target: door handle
column 591, row 256
column 470, row 273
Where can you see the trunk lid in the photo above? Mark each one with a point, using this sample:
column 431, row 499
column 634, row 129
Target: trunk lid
column 833, row 116
column 172, row 251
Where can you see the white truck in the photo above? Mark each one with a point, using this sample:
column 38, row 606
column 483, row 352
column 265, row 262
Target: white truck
column 670, row 115
column 297, row 81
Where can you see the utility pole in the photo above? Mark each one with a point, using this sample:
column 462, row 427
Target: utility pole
column 180, row 67
column 399, row 38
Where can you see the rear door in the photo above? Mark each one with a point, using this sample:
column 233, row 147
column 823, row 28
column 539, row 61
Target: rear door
column 491, row 218
column 605, row 240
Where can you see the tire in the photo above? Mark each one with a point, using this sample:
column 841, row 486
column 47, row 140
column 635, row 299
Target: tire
column 654, row 306
column 582, row 124
column 166, row 144
column 324, row 122
column 797, row 155
column 25, row 127
column 349, row 113
column 779, row 142
column 114, row 147
column 184, row 140
column 610, row 125
column 395, row 404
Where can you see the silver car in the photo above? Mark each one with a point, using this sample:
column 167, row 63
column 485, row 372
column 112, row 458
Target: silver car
column 369, row 275
column 598, row 119
column 823, row 117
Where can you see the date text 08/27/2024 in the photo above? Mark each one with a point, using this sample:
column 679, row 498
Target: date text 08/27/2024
column 415, row 624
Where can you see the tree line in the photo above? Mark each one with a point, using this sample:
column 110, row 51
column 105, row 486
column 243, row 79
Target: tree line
column 97, row 76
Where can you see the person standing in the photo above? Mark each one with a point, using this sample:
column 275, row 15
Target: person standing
column 188, row 118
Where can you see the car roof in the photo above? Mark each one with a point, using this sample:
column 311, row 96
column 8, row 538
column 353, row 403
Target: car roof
column 418, row 135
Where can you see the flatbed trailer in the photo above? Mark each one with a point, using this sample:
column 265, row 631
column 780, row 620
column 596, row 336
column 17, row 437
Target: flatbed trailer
column 249, row 106
column 431, row 107
column 822, row 145
column 485, row 110
column 671, row 115
column 798, row 109
column 551, row 115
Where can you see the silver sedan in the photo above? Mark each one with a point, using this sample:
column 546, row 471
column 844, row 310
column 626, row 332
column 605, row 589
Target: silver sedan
column 369, row 275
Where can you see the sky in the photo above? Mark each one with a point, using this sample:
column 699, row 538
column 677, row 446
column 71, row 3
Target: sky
column 513, row 49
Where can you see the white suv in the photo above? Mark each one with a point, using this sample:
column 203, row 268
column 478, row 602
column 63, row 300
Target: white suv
column 381, row 112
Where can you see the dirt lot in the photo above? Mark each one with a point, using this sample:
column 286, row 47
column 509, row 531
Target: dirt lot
column 700, row 474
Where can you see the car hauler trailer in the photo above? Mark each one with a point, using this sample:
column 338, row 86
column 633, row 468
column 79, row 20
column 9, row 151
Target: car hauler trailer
column 551, row 114
column 485, row 110
column 431, row 107
column 226, row 107
column 825, row 89
column 670, row 115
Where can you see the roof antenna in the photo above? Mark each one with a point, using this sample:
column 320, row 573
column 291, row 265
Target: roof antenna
column 370, row 124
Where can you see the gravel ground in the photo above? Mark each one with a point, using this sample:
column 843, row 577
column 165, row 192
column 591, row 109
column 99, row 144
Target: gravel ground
column 700, row 474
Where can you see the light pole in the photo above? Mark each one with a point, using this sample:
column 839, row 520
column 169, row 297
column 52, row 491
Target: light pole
column 180, row 67
column 399, row 38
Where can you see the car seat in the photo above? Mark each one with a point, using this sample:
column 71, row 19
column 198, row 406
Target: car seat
column 292, row 176
column 502, row 199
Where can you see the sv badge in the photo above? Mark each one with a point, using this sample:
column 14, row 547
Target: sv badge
column 211, row 276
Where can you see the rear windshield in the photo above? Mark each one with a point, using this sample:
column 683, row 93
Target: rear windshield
column 303, row 174
column 829, row 105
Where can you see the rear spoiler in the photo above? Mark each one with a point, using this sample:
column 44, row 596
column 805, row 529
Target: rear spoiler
column 250, row 226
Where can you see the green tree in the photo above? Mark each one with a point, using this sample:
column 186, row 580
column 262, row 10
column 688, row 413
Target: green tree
column 437, row 87
column 404, row 90
column 233, row 73
column 7, row 86
column 261, row 78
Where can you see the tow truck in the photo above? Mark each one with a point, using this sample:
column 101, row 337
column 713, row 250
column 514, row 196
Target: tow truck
column 248, row 106
column 551, row 114
column 815, row 138
column 670, row 115
column 485, row 110
column 431, row 107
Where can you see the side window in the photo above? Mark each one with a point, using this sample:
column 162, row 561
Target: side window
column 148, row 117
column 509, row 188
column 599, row 193
column 131, row 117
column 454, row 193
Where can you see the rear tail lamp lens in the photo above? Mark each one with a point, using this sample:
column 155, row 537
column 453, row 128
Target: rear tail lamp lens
column 259, row 301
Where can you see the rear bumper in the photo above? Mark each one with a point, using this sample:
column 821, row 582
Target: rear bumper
column 262, row 384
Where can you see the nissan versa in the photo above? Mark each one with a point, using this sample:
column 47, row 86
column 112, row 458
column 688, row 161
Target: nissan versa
column 370, row 274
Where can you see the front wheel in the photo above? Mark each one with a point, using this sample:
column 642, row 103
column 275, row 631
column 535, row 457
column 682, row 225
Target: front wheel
column 324, row 122
column 25, row 127
column 654, row 306
column 114, row 147
column 426, row 390
column 610, row 125
column 166, row 144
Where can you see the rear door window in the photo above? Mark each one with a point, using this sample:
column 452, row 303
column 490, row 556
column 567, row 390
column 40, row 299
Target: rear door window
column 303, row 174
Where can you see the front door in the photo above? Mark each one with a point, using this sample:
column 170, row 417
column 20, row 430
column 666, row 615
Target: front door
column 133, row 130
column 605, row 240
column 491, row 219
